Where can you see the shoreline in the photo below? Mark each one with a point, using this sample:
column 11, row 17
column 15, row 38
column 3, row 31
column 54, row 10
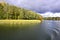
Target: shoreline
column 19, row 22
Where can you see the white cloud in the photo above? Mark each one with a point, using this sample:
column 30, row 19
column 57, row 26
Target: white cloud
column 50, row 14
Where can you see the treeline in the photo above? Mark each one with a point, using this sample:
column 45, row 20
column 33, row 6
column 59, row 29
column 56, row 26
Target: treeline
column 12, row 12
column 51, row 18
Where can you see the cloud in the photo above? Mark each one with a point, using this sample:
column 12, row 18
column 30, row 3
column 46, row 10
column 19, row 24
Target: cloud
column 38, row 5
column 50, row 14
column 1, row 0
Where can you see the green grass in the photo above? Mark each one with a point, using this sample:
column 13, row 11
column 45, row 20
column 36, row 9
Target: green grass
column 14, row 24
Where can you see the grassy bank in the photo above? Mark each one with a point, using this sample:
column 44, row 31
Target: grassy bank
column 17, row 23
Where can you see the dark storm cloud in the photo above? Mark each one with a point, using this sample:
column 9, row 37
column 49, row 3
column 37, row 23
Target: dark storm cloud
column 38, row 5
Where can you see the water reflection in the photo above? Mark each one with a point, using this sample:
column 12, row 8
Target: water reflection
column 42, row 31
column 52, row 28
column 27, row 33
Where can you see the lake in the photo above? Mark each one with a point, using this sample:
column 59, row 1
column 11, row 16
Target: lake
column 47, row 30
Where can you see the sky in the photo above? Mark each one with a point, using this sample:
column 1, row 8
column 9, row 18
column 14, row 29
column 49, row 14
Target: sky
column 50, row 14
column 44, row 7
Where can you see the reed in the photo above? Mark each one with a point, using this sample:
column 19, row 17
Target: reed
column 17, row 23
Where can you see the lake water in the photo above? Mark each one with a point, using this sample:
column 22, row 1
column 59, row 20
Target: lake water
column 47, row 30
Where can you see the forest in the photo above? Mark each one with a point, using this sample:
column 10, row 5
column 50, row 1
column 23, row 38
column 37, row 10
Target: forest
column 51, row 18
column 8, row 11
